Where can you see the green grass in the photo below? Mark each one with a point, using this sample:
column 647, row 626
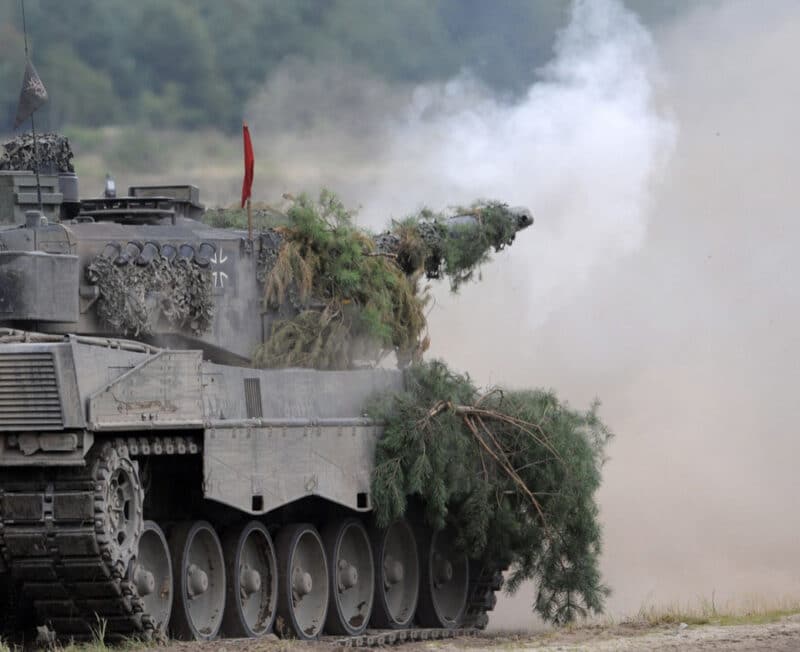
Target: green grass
column 753, row 610
column 97, row 644
column 101, row 646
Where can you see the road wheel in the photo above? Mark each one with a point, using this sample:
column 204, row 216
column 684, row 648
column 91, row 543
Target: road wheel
column 151, row 576
column 199, row 581
column 351, row 577
column 445, row 581
column 302, row 581
column 394, row 551
column 251, row 570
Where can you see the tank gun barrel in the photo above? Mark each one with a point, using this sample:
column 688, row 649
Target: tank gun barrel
column 519, row 216
column 453, row 246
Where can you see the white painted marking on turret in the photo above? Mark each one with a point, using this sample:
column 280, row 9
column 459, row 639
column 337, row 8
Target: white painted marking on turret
column 219, row 277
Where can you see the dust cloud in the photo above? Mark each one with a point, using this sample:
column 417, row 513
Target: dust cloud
column 660, row 275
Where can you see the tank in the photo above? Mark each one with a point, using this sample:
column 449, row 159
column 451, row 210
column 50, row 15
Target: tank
column 152, row 481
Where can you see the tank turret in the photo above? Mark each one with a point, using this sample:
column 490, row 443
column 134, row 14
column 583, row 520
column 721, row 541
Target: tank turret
column 144, row 266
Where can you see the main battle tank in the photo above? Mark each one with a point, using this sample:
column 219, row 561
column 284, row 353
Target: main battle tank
column 152, row 481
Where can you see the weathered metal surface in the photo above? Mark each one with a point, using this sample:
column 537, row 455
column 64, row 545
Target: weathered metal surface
column 273, row 466
column 38, row 286
column 163, row 391
column 159, row 445
column 18, row 194
column 312, row 439
column 29, row 396
column 294, row 393
column 38, row 388
column 185, row 198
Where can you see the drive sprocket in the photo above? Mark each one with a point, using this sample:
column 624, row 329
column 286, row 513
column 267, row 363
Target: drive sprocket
column 68, row 539
column 118, row 506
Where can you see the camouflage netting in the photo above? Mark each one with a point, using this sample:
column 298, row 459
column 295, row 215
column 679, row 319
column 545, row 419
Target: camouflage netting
column 132, row 297
column 55, row 154
column 340, row 297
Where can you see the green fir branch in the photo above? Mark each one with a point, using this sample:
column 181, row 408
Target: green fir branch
column 513, row 472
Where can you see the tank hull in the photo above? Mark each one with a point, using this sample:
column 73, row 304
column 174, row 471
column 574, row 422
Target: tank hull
column 99, row 437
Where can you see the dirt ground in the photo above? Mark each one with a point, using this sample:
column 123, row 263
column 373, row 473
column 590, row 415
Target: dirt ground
column 783, row 635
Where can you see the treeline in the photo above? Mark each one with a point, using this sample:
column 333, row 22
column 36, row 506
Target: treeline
column 191, row 63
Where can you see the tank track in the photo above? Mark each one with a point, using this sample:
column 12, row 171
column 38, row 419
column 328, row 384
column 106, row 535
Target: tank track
column 482, row 599
column 380, row 638
column 60, row 569
column 54, row 542
column 6, row 602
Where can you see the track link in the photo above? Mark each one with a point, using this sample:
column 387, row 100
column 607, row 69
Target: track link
column 482, row 599
column 379, row 638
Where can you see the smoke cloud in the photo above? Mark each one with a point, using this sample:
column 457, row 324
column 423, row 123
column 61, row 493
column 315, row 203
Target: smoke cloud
column 580, row 148
column 660, row 274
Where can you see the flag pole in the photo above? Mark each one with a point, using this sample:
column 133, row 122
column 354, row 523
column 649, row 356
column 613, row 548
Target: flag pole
column 33, row 124
column 249, row 221
column 36, row 166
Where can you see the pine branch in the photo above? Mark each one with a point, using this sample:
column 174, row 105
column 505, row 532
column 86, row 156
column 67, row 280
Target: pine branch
column 474, row 411
column 505, row 483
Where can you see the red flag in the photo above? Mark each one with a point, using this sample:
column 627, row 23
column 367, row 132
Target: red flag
column 249, row 165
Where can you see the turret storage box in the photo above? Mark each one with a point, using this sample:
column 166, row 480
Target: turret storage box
column 38, row 286
column 18, row 194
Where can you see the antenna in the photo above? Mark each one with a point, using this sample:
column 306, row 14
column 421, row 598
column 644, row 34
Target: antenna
column 24, row 28
column 33, row 124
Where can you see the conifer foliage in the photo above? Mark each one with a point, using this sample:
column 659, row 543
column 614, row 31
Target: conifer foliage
column 514, row 472
column 339, row 296
column 349, row 301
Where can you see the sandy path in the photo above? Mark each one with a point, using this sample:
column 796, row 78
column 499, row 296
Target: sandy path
column 781, row 636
